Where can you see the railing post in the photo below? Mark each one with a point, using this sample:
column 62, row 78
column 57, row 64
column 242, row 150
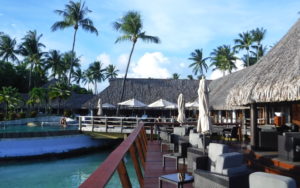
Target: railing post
column 136, row 165
column 140, row 139
column 123, row 174
column 121, row 123
column 92, row 119
column 140, row 151
column 151, row 134
column 106, row 126
column 80, row 123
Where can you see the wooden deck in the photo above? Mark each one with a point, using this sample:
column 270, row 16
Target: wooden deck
column 154, row 169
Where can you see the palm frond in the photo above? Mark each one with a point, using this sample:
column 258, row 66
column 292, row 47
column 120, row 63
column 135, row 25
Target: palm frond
column 123, row 38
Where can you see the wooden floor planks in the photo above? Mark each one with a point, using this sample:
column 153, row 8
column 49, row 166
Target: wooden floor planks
column 154, row 169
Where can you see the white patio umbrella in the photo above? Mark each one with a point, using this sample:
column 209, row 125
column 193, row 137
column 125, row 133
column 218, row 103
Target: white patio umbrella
column 107, row 105
column 132, row 103
column 181, row 113
column 204, row 123
column 162, row 103
column 99, row 112
column 194, row 104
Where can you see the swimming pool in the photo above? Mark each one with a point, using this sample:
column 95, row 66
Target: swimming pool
column 40, row 128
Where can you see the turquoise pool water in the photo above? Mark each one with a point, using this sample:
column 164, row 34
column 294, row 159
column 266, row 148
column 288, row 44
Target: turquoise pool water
column 62, row 173
column 25, row 128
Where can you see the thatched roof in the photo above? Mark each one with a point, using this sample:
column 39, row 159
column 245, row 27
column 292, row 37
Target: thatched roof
column 219, row 90
column 147, row 90
column 275, row 78
column 75, row 101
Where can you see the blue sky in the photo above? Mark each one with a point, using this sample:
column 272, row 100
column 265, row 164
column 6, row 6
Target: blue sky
column 182, row 26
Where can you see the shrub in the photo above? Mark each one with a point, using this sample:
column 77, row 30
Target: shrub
column 67, row 113
column 21, row 115
column 1, row 116
column 12, row 116
column 33, row 114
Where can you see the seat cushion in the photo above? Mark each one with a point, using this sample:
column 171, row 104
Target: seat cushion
column 180, row 131
column 227, row 161
column 215, row 149
column 264, row 180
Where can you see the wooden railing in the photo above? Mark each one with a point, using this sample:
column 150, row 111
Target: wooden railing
column 136, row 145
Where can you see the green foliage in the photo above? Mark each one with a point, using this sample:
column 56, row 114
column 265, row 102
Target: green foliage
column 1, row 116
column 33, row 114
column 80, row 90
column 199, row 62
column 175, row 76
column 67, row 113
column 21, row 115
column 111, row 71
column 223, row 58
column 10, row 97
column 37, row 96
column 12, row 115
column 96, row 73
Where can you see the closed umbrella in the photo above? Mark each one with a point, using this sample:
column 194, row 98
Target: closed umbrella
column 99, row 113
column 181, row 113
column 204, row 123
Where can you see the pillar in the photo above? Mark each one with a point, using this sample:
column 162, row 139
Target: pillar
column 253, row 125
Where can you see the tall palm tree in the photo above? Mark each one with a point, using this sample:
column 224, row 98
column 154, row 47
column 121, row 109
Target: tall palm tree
column 244, row 42
column 131, row 26
column 37, row 96
column 223, row 58
column 8, row 48
column 87, row 78
column 258, row 35
column 70, row 61
column 175, row 76
column 55, row 63
column 74, row 15
column 199, row 63
column 111, row 71
column 60, row 91
column 78, row 75
column 96, row 73
column 31, row 49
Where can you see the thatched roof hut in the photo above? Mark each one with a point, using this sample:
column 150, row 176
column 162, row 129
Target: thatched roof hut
column 147, row 90
column 275, row 78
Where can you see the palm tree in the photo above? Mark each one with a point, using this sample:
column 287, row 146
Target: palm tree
column 96, row 73
column 8, row 48
column 10, row 97
column 70, row 61
column 111, row 71
column 37, row 96
column 190, row 77
column 78, row 75
column 223, row 58
column 131, row 25
column 244, row 42
column 31, row 48
column 60, row 91
column 199, row 63
column 175, row 76
column 55, row 63
column 258, row 35
column 74, row 15
column 87, row 78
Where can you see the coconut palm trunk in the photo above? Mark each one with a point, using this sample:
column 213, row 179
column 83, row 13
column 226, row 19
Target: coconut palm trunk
column 124, row 80
column 72, row 62
column 248, row 57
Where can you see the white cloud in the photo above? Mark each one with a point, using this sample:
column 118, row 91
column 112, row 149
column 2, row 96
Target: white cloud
column 104, row 58
column 182, row 65
column 151, row 65
column 122, row 62
column 218, row 74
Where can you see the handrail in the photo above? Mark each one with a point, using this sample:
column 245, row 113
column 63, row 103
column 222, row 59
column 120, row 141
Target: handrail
column 115, row 162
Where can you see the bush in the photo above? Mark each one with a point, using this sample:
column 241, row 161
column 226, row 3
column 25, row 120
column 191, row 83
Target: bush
column 12, row 116
column 1, row 116
column 33, row 114
column 21, row 115
column 67, row 113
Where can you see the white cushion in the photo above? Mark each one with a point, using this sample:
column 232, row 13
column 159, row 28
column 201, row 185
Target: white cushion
column 181, row 131
column 215, row 149
column 234, row 170
column 264, row 180
column 227, row 160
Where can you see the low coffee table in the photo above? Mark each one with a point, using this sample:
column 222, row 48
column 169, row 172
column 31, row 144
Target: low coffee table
column 173, row 178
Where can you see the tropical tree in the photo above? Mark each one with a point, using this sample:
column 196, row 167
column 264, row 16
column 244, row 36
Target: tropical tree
column 111, row 71
column 55, row 62
column 199, row 63
column 87, row 78
column 74, row 15
column 37, row 96
column 244, row 42
column 70, row 62
column 8, row 48
column 223, row 58
column 96, row 73
column 31, row 49
column 131, row 26
column 175, row 76
column 10, row 97
column 190, row 77
column 78, row 75
column 258, row 35
column 59, row 91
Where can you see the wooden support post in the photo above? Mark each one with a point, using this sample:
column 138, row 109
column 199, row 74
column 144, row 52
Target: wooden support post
column 143, row 145
column 253, row 123
column 93, row 126
column 151, row 133
column 136, row 165
column 121, row 123
column 140, row 152
column 106, row 125
column 123, row 174
column 80, row 123
column 144, row 136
